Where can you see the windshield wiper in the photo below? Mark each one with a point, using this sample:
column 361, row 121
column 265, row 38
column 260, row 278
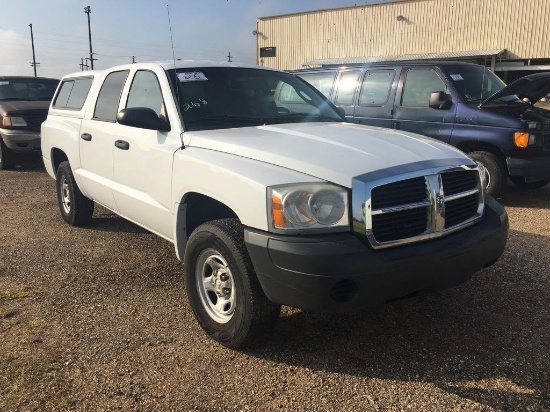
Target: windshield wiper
column 307, row 116
column 229, row 118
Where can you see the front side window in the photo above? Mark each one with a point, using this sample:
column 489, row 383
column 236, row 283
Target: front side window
column 106, row 107
column 475, row 83
column 27, row 89
column 145, row 92
column 376, row 87
column 346, row 88
column 419, row 85
column 229, row 97
column 72, row 93
column 321, row 81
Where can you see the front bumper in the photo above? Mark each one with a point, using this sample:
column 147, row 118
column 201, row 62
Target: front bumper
column 532, row 169
column 21, row 140
column 341, row 273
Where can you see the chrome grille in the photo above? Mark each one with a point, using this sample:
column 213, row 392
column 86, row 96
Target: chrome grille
column 399, row 193
column 34, row 121
column 458, row 182
column 460, row 210
column 421, row 207
column 400, row 224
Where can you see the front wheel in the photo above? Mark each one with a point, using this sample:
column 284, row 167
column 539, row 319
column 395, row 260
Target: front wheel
column 222, row 287
column 76, row 209
column 520, row 182
column 496, row 172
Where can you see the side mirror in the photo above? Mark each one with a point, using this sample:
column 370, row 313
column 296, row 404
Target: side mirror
column 440, row 101
column 341, row 111
column 143, row 118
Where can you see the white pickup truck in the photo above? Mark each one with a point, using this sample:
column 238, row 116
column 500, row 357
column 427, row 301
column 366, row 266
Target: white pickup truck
column 269, row 197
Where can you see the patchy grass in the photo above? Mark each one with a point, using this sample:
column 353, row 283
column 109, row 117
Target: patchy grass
column 11, row 294
column 31, row 367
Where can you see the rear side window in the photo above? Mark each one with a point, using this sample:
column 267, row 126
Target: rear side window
column 376, row 87
column 419, row 85
column 106, row 106
column 72, row 93
column 321, row 81
column 346, row 88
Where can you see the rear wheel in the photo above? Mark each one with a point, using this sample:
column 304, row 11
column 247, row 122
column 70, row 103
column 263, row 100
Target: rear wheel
column 6, row 157
column 520, row 182
column 496, row 172
column 76, row 209
column 222, row 287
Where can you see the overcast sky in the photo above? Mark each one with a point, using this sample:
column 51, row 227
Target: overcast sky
column 202, row 29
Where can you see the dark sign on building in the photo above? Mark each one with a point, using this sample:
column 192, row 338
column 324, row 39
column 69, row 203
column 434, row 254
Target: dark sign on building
column 268, row 51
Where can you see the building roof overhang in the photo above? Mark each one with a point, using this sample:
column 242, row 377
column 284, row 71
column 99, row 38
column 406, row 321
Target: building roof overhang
column 425, row 56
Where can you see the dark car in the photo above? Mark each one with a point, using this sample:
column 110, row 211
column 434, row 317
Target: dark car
column 465, row 105
column 24, row 103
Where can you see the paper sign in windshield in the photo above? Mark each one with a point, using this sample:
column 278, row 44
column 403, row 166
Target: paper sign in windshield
column 4, row 83
column 192, row 77
column 457, row 77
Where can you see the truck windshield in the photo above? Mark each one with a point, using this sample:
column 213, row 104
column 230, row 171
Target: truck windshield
column 27, row 89
column 475, row 83
column 229, row 97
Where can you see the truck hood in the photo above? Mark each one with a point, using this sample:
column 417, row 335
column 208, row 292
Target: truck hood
column 335, row 152
column 16, row 107
column 534, row 87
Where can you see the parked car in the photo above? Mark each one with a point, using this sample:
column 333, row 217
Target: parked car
column 24, row 103
column 267, row 203
column 465, row 105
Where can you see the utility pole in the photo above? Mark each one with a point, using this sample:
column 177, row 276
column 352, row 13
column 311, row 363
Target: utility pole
column 87, row 66
column 87, row 10
column 34, row 63
column 133, row 59
column 81, row 64
column 229, row 57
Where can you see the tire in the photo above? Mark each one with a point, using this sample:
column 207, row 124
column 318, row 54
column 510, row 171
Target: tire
column 76, row 209
column 520, row 182
column 497, row 173
column 6, row 157
column 217, row 266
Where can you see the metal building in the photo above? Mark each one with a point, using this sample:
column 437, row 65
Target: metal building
column 510, row 36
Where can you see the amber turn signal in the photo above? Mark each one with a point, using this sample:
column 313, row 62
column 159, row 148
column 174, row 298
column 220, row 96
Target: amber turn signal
column 521, row 139
column 277, row 211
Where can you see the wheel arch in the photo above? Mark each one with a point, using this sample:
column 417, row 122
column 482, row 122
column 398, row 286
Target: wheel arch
column 469, row 146
column 193, row 210
column 57, row 156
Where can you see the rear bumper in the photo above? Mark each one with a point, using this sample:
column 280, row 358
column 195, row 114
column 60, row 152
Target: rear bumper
column 341, row 273
column 21, row 140
column 532, row 168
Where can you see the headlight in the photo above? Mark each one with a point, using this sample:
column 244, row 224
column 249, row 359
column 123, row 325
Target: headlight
column 484, row 175
column 306, row 206
column 13, row 121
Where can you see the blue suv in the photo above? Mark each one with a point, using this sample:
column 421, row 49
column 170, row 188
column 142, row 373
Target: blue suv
column 465, row 105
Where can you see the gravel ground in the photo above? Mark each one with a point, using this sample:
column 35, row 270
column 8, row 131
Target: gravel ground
column 97, row 319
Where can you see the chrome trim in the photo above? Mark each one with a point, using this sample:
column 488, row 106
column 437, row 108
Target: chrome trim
column 460, row 195
column 363, row 213
column 408, row 206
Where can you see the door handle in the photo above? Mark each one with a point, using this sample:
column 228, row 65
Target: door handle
column 86, row 136
column 122, row 144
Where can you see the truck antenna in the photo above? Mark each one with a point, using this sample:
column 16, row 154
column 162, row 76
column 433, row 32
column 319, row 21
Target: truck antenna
column 175, row 74
column 171, row 38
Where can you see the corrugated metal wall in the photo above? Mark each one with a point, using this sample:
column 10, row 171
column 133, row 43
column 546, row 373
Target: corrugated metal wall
column 430, row 26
